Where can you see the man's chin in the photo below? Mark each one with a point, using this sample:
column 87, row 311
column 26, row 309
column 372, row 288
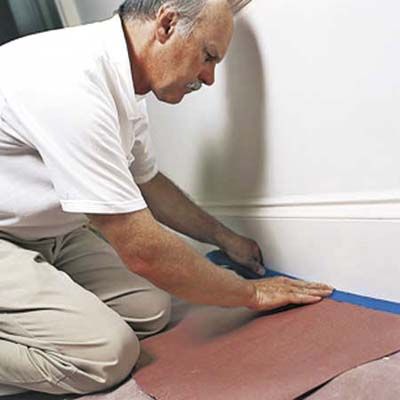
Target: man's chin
column 170, row 99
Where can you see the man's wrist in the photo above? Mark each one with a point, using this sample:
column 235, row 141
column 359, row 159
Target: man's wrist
column 251, row 302
column 222, row 237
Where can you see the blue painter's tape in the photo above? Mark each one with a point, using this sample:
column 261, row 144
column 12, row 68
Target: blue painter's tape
column 219, row 258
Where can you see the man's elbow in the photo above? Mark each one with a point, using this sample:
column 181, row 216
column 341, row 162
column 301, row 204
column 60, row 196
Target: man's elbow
column 133, row 236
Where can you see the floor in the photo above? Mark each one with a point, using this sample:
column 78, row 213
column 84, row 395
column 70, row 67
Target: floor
column 378, row 376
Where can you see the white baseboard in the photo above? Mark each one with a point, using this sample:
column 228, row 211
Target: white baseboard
column 382, row 205
column 353, row 244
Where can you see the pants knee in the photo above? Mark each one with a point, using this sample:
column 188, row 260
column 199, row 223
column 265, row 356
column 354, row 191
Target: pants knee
column 156, row 315
column 148, row 315
column 110, row 363
column 124, row 353
column 159, row 310
column 104, row 361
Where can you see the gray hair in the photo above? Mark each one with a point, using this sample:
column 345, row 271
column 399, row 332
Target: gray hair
column 188, row 10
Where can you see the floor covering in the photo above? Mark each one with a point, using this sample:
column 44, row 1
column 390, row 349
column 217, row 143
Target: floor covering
column 218, row 354
column 214, row 353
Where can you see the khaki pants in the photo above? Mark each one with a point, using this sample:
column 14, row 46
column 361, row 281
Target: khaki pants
column 71, row 314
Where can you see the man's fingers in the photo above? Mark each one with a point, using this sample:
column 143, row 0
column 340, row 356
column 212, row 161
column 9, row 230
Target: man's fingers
column 261, row 257
column 283, row 301
column 260, row 269
column 304, row 284
column 311, row 285
column 281, row 291
column 304, row 299
column 308, row 290
column 256, row 267
column 323, row 293
column 312, row 292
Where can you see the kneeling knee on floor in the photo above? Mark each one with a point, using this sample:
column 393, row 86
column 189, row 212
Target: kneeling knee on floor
column 108, row 363
column 118, row 357
column 155, row 315
column 101, row 362
column 148, row 314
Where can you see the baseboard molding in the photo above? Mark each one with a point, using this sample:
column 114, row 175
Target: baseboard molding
column 369, row 206
column 353, row 246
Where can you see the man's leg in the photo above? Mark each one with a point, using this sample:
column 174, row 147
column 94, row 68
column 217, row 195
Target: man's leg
column 55, row 336
column 91, row 262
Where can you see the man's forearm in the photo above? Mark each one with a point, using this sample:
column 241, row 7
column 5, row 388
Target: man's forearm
column 173, row 208
column 169, row 263
column 181, row 271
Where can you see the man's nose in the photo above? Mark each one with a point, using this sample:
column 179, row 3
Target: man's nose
column 208, row 75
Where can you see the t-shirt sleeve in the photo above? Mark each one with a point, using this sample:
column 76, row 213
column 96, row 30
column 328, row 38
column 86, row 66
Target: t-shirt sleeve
column 143, row 165
column 79, row 142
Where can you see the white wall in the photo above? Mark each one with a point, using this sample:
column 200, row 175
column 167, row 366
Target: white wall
column 307, row 101
column 95, row 10
column 75, row 12
column 297, row 143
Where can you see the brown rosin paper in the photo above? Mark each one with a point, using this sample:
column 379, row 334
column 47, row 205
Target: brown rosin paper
column 226, row 354
column 373, row 381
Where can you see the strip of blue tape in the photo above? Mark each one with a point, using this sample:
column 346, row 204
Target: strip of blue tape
column 219, row 258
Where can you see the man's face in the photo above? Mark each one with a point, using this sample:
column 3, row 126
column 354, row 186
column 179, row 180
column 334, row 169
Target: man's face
column 182, row 62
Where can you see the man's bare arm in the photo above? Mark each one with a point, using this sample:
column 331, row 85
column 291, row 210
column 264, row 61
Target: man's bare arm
column 173, row 208
column 164, row 259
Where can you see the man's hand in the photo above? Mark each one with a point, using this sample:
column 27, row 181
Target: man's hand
column 244, row 251
column 160, row 256
column 278, row 292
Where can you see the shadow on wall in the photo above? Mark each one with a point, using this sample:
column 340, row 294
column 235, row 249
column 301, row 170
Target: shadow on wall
column 235, row 168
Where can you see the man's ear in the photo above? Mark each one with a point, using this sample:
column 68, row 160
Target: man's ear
column 166, row 22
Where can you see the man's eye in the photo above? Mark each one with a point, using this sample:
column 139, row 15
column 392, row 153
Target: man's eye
column 208, row 57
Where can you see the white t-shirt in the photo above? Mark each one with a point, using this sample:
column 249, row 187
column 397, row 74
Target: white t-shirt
column 74, row 137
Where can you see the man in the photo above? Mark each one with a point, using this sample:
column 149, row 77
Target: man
column 74, row 150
